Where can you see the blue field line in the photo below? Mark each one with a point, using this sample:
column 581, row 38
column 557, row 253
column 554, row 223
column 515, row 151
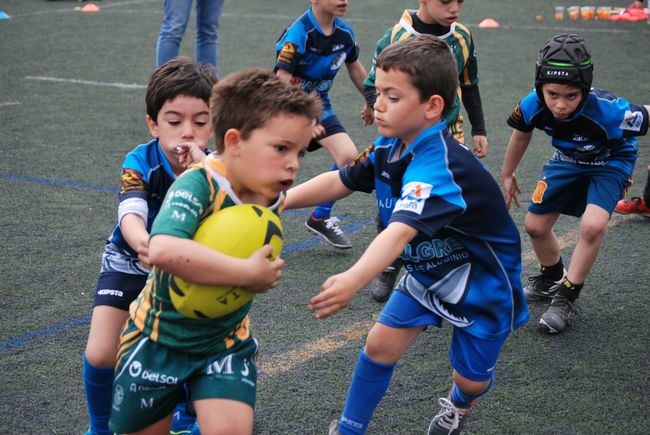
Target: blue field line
column 45, row 332
column 81, row 321
column 63, row 183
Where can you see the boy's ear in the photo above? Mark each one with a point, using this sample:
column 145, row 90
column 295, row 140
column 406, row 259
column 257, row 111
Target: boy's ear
column 435, row 107
column 153, row 126
column 231, row 140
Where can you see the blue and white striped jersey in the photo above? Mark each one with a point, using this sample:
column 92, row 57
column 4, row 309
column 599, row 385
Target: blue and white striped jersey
column 466, row 256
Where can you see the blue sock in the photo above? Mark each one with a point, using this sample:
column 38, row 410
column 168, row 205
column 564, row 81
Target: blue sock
column 369, row 383
column 98, row 382
column 463, row 399
column 324, row 210
column 182, row 420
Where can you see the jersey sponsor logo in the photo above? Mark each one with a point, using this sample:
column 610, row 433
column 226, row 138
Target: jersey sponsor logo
column 287, row 52
column 434, row 249
column 136, row 371
column 338, row 47
column 632, row 121
column 414, row 194
column 132, row 182
column 179, row 199
column 385, row 175
column 538, row 194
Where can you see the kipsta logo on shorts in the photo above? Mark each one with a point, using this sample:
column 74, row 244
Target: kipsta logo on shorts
column 135, row 369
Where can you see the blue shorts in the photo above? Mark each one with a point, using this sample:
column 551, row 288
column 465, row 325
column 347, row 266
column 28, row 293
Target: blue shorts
column 474, row 358
column 118, row 289
column 332, row 126
column 567, row 188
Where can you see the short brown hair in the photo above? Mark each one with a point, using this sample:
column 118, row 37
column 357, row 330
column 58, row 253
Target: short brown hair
column 428, row 61
column 247, row 99
column 180, row 76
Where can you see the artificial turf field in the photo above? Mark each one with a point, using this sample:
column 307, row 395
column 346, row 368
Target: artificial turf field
column 72, row 105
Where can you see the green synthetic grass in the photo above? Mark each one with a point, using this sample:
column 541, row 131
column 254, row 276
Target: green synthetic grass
column 593, row 379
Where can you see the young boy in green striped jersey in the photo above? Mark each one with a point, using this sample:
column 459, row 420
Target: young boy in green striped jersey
column 438, row 18
column 262, row 127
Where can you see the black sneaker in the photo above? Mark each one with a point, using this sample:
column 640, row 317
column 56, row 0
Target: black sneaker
column 541, row 288
column 556, row 318
column 450, row 419
column 382, row 286
column 329, row 230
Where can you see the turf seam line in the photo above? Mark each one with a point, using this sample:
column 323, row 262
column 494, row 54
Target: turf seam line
column 10, row 103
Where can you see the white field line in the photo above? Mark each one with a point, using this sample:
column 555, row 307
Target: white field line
column 278, row 365
column 10, row 103
column 87, row 82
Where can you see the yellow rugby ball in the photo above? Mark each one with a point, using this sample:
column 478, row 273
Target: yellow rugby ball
column 237, row 231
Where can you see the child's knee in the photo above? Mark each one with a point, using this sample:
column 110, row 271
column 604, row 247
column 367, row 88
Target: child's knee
column 535, row 228
column 101, row 354
column 380, row 350
column 592, row 230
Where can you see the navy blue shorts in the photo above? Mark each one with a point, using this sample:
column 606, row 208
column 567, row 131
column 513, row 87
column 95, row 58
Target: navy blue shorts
column 567, row 188
column 332, row 126
column 118, row 289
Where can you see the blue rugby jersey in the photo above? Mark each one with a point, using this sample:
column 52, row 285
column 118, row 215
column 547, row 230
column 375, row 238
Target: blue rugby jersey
column 146, row 176
column 466, row 256
column 313, row 58
column 600, row 133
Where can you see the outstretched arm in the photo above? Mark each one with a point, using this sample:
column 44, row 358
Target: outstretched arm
column 516, row 148
column 337, row 292
column 322, row 188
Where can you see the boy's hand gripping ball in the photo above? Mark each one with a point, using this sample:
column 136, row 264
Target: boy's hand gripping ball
column 237, row 231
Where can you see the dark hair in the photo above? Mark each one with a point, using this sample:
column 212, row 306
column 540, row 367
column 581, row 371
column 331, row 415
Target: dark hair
column 565, row 59
column 247, row 99
column 180, row 76
column 428, row 61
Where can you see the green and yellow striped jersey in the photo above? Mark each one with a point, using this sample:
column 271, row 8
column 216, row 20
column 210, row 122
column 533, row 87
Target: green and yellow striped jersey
column 199, row 192
column 459, row 39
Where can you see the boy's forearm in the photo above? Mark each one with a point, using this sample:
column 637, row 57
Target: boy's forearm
column 382, row 252
column 516, row 148
column 196, row 263
column 134, row 230
column 357, row 74
column 322, row 188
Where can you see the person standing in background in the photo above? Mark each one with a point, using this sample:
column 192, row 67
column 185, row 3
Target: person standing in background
column 176, row 15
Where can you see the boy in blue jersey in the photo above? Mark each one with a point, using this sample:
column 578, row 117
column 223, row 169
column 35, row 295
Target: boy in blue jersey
column 593, row 133
column 460, row 248
column 310, row 53
column 439, row 18
column 178, row 118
